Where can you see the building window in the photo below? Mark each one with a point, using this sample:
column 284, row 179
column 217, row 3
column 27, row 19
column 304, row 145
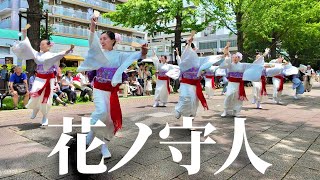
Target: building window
column 233, row 43
column 224, row 43
column 207, row 45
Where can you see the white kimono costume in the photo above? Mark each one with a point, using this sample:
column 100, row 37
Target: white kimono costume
column 237, row 74
column 191, row 67
column 165, row 72
column 109, row 65
column 210, row 80
column 277, row 80
column 259, row 87
column 42, row 90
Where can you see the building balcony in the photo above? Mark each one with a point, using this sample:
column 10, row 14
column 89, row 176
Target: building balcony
column 5, row 7
column 94, row 4
column 24, row 5
column 71, row 14
column 5, row 24
column 82, row 33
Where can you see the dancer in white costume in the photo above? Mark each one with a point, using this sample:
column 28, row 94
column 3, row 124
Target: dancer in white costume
column 165, row 72
column 47, row 64
column 210, row 81
column 191, row 67
column 237, row 73
column 259, row 88
column 109, row 65
column 278, row 82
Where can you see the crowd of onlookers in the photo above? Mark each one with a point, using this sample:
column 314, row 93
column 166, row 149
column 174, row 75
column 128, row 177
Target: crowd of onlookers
column 138, row 80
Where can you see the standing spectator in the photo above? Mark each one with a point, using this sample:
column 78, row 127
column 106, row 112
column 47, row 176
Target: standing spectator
column 67, row 87
column 85, row 85
column 148, row 86
column 318, row 75
column 141, row 74
column 4, row 78
column 308, row 81
column 146, row 74
column 19, row 87
column 31, row 80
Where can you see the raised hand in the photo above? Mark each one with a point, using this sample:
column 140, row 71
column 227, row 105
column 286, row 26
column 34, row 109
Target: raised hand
column 93, row 24
column 226, row 49
column 266, row 52
column 144, row 50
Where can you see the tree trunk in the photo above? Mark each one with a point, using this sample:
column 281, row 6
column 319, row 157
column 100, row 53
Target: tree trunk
column 33, row 18
column 240, row 35
column 273, row 48
column 177, row 35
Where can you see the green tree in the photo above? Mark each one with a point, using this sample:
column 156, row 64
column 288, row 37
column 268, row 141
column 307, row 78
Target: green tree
column 292, row 23
column 156, row 15
column 230, row 14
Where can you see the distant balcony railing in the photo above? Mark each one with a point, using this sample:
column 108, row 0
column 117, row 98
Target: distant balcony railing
column 5, row 24
column 60, row 10
column 83, row 33
column 100, row 3
column 24, row 4
column 5, row 4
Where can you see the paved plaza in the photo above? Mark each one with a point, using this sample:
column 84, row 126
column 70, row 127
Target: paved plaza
column 287, row 136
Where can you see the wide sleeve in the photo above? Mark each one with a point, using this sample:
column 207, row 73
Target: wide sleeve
column 24, row 51
column 226, row 63
column 155, row 61
column 178, row 58
column 95, row 56
column 126, row 60
column 51, row 59
column 260, row 60
column 289, row 70
column 252, row 72
column 189, row 59
column 207, row 62
column 274, row 71
column 173, row 72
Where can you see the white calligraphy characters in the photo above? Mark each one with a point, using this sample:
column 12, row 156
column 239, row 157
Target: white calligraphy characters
column 195, row 143
column 144, row 133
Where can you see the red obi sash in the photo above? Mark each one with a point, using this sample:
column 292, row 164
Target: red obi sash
column 165, row 78
column 212, row 81
column 264, row 86
column 281, row 82
column 196, row 82
column 242, row 92
column 115, row 109
column 46, row 87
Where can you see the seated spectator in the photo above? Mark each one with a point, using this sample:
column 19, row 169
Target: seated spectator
column 135, row 85
column 31, row 80
column 67, row 87
column 85, row 85
column 58, row 94
column 19, row 87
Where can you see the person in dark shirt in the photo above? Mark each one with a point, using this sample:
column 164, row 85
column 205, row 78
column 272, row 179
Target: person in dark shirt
column 18, row 78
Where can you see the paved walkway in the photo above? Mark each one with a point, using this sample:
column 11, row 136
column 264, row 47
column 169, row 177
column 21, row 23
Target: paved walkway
column 287, row 136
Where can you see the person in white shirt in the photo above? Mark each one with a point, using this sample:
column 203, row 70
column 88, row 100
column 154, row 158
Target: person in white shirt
column 85, row 85
column 308, row 78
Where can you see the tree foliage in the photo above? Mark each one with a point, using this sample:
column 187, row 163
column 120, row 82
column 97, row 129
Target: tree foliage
column 156, row 15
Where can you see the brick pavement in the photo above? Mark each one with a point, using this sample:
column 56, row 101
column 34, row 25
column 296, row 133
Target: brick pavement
column 286, row 136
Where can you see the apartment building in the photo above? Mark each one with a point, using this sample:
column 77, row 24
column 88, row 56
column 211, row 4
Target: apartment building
column 70, row 21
